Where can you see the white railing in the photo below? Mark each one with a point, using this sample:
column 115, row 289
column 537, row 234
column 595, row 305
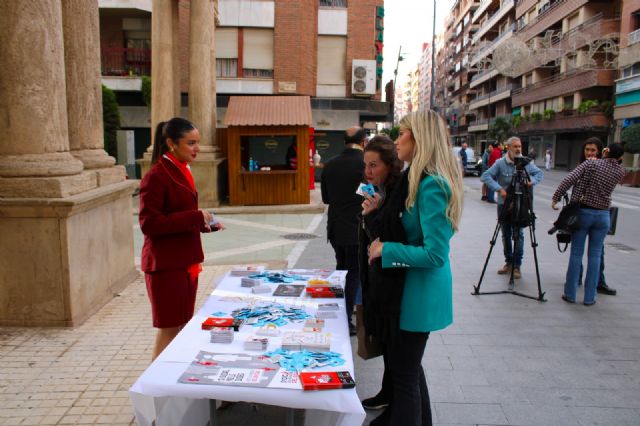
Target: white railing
column 480, row 10
column 489, row 47
column 634, row 37
column 506, row 6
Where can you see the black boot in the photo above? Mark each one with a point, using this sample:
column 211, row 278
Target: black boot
column 605, row 289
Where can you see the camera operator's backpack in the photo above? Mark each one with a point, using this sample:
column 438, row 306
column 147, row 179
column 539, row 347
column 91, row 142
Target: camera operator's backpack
column 517, row 209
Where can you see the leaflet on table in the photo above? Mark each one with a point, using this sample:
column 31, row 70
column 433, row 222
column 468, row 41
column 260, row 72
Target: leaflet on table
column 210, row 368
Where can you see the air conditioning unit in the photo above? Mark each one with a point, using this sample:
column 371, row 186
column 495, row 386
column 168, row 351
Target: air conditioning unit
column 363, row 77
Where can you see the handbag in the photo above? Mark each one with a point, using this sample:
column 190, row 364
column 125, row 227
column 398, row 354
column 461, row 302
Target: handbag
column 613, row 215
column 368, row 346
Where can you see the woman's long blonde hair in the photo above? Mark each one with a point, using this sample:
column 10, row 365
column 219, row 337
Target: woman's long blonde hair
column 433, row 154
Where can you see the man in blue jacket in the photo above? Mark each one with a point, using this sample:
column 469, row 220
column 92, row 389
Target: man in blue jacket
column 498, row 178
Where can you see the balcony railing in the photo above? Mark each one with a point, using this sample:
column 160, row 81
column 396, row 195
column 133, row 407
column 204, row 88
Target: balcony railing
column 125, row 61
column 634, row 37
column 492, row 45
column 566, row 121
column 489, row 23
column 556, row 11
column 480, row 10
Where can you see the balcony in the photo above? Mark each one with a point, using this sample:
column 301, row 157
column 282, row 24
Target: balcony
column 563, row 121
column 592, row 29
column 560, row 84
column 489, row 98
column 633, row 37
column 493, row 44
column 523, row 6
column 120, row 61
column 480, row 78
column 549, row 17
column 480, row 10
column 507, row 5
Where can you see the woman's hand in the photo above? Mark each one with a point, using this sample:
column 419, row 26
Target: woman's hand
column 554, row 206
column 370, row 203
column 375, row 250
column 218, row 227
column 206, row 216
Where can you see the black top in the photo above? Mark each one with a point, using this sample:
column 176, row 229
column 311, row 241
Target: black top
column 340, row 179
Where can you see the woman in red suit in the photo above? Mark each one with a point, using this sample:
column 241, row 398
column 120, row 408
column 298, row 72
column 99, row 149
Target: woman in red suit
column 171, row 223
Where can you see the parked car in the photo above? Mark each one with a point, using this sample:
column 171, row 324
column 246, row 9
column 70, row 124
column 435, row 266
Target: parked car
column 474, row 163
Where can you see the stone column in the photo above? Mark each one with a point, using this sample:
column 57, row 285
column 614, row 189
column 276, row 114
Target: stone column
column 84, row 94
column 34, row 148
column 202, row 98
column 67, row 246
column 165, row 68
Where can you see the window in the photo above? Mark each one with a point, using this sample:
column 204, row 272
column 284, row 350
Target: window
column 226, row 52
column 528, row 79
column 632, row 70
column 573, row 21
column 257, row 55
column 333, row 3
column 572, row 61
column 568, row 102
column 332, row 60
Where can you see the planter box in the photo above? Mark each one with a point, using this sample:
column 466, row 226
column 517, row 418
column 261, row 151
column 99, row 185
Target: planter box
column 632, row 178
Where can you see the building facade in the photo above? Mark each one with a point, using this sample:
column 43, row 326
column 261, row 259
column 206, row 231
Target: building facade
column 330, row 50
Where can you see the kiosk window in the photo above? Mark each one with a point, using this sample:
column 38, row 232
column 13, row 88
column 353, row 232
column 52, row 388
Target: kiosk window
column 266, row 150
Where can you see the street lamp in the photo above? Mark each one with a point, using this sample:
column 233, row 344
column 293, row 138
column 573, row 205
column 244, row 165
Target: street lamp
column 395, row 79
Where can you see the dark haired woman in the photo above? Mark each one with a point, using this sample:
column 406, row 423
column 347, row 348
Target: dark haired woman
column 171, row 223
column 593, row 182
column 381, row 289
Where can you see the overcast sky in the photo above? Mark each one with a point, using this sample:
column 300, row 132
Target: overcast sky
column 408, row 23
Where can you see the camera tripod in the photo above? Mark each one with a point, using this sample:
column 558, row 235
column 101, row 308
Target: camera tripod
column 516, row 211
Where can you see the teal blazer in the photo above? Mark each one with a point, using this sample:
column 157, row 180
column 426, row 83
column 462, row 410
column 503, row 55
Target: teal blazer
column 427, row 298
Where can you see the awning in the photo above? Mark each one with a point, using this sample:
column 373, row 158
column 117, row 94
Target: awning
column 516, row 111
column 268, row 111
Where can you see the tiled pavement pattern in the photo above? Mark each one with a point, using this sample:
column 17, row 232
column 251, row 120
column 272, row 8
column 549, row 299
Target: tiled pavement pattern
column 505, row 360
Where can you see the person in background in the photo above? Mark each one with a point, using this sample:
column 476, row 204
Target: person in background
column 464, row 160
column 430, row 214
column 593, row 182
column 547, row 159
column 498, row 178
column 340, row 180
column 494, row 155
column 592, row 150
column 171, row 223
column 381, row 288
column 485, row 166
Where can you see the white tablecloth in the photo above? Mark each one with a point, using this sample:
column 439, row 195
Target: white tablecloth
column 157, row 395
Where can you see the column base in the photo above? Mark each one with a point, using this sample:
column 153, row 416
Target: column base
column 62, row 259
column 207, row 176
column 47, row 187
column 94, row 158
column 110, row 175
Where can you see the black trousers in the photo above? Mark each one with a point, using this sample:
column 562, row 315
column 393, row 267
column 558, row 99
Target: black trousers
column 347, row 259
column 410, row 405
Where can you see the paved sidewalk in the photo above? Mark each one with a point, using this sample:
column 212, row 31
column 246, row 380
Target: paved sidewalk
column 505, row 360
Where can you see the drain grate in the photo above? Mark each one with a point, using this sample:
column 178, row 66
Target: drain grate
column 299, row 237
column 620, row 246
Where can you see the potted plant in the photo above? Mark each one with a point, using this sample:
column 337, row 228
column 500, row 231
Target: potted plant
column 630, row 137
column 536, row 116
column 567, row 110
column 516, row 120
column 587, row 105
column 549, row 114
column 607, row 108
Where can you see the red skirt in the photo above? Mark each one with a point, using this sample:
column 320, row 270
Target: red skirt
column 173, row 297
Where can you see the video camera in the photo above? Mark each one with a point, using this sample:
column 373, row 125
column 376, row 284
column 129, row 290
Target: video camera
column 521, row 162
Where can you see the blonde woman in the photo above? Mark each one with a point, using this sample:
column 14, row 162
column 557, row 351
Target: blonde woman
column 430, row 215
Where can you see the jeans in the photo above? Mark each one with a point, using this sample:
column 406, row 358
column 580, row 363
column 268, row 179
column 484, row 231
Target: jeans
column 510, row 257
column 410, row 405
column 601, row 280
column 347, row 260
column 595, row 224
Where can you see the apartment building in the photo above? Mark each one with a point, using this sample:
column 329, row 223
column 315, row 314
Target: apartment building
column 424, row 78
column 456, row 93
column 330, row 50
column 627, row 91
column 566, row 98
column 491, row 25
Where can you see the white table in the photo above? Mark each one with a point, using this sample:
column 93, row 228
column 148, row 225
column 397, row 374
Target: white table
column 157, row 395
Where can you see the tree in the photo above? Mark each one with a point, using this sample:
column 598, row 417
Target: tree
column 392, row 132
column 146, row 90
column 110, row 120
column 500, row 130
column 630, row 136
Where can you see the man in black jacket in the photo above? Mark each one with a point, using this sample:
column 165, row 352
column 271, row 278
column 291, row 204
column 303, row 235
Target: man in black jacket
column 340, row 179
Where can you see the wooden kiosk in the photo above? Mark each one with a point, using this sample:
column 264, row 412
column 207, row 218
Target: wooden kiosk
column 262, row 129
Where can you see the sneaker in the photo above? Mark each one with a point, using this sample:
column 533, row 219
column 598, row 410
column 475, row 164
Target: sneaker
column 516, row 273
column 605, row 289
column 377, row 402
column 506, row 269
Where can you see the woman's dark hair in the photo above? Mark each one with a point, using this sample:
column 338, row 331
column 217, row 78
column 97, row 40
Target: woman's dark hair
column 591, row 141
column 173, row 129
column 384, row 146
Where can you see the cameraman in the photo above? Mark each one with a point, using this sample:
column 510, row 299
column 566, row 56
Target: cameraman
column 498, row 178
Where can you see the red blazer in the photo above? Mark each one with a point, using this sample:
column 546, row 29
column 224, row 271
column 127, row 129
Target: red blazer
column 169, row 219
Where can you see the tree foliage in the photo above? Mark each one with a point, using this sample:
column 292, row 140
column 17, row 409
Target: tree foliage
column 392, row 132
column 630, row 136
column 146, row 90
column 111, row 120
column 500, row 130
